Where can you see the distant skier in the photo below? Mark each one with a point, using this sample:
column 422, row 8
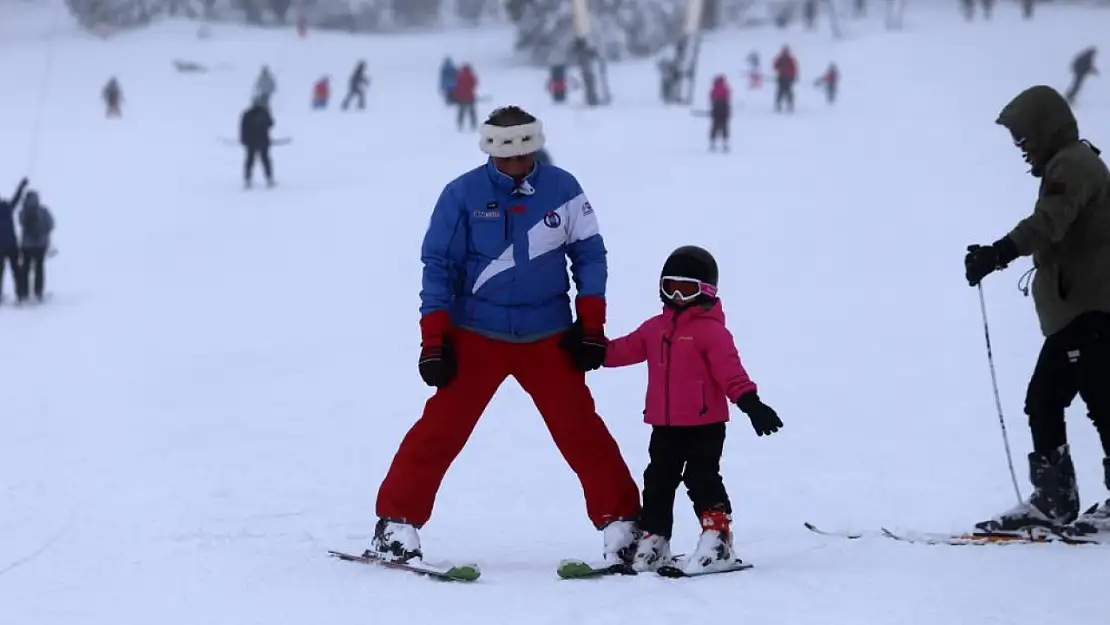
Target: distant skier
column 688, row 346
column 265, row 86
column 829, row 81
column 1027, row 9
column 1081, row 67
column 357, row 87
column 809, row 13
column 755, row 74
column 670, row 79
column 720, row 112
column 113, row 98
column 557, row 83
column 1068, row 236
column 786, row 75
column 9, row 243
column 254, row 135
column 465, row 95
column 321, row 93
column 448, row 77
column 38, row 224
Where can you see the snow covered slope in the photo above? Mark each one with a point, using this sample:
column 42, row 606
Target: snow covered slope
column 213, row 396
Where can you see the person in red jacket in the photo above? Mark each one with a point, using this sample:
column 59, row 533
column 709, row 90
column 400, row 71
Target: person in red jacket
column 465, row 85
column 829, row 81
column 720, row 111
column 321, row 93
column 786, row 74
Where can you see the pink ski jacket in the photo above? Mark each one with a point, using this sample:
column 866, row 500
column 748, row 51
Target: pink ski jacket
column 694, row 370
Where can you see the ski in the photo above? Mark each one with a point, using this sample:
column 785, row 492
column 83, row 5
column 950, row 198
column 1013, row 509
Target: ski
column 579, row 569
column 1032, row 535
column 674, row 571
column 451, row 573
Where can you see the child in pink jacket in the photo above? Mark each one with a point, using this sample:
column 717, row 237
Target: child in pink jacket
column 694, row 372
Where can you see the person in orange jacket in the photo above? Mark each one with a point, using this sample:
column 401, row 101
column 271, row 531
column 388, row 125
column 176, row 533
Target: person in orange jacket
column 321, row 93
column 466, row 85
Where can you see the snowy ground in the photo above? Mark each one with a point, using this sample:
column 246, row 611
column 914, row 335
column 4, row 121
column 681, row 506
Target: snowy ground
column 212, row 398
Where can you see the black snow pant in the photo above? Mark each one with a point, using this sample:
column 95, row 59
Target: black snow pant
column 34, row 259
column 1076, row 84
column 1074, row 361
column 466, row 111
column 718, row 128
column 830, row 94
column 10, row 258
column 354, row 94
column 784, row 93
column 690, row 455
column 260, row 152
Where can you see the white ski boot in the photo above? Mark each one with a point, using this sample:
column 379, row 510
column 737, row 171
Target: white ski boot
column 620, row 541
column 652, row 552
column 714, row 550
column 395, row 541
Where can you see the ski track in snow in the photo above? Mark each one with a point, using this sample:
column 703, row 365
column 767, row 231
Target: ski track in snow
column 213, row 396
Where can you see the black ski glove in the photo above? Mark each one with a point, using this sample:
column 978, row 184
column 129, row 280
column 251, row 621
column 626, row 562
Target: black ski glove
column 765, row 420
column 438, row 365
column 983, row 260
column 586, row 348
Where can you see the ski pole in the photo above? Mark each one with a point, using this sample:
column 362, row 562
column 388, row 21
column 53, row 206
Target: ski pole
column 997, row 400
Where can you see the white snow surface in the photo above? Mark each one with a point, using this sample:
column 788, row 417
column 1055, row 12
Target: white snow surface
column 210, row 401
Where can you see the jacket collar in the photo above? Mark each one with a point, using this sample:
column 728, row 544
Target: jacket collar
column 507, row 184
column 714, row 312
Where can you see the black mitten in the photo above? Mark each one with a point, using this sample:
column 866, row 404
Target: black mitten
column 586, row 348
column 764, row 419
column 438, row 365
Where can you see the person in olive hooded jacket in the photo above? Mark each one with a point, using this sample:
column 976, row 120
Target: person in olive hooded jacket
column 1068, row 236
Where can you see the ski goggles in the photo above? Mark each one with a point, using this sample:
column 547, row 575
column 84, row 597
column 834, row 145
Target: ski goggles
column 685, row 289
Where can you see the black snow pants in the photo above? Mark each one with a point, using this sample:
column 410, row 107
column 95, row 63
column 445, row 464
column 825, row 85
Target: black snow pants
column 466, row 111
column 1076, row 84
column 690, row 455
column 355, row 94
column 260, row 152
column 1074, row 361
column 34, row 260
column 10, row 258
column 784, row 93
column 719, row 118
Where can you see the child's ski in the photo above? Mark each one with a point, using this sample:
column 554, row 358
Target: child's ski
column 675, row 571
column 837, row 534
column 1032, row 535
column 579, row 569
column 460, row 573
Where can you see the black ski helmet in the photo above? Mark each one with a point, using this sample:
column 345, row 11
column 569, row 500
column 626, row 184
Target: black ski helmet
column 691, row 261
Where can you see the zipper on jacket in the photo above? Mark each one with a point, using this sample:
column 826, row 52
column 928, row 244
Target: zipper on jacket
column 505, row 213
column 667, row 372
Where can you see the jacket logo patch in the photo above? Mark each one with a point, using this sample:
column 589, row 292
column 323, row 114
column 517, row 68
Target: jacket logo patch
column 587, row 209
column 552, row 220
column 491, row 212
column 1055, row 188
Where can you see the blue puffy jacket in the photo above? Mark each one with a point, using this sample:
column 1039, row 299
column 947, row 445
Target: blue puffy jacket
column 495, row 253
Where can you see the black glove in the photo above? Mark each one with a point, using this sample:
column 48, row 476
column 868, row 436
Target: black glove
column 586, row 348
column 764, row 419
column 438, row 365
column 982, row 260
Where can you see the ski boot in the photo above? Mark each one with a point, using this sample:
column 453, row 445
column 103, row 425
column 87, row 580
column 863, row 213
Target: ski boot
column 652, row 552
column 1054, row 502
column 620, row 541
column 714, row 550
column 394, row 540
column 1097, row 518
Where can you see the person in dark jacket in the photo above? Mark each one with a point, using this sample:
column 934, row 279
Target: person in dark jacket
column 254, row 134
column 448, row 74
column 37, row 224
column 1082, row 67
column 9, row 243
column 1068, row 236
column 720, row 112
column 357, row 87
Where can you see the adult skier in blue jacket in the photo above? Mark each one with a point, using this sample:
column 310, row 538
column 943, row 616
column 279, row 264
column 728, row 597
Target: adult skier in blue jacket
column 448, row 73
column 495, row 303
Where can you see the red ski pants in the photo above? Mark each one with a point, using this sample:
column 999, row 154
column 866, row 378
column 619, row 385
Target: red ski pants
column 564, row 401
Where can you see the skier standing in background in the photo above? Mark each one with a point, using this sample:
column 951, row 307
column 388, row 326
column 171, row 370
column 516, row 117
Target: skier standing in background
column 448, row 76
column 1068, row 236
column 254, row 135
column 113, row 98
column 755, row 76
column 465, row 95
column 488, row 313
column 9, row 243
column 321, row 93
column 720, row 112
column 37, row 224
column 689, row 347
column 829, row 81
column 1081, row 67
column 357, row 87
column 786, row 75
column 265, row 86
